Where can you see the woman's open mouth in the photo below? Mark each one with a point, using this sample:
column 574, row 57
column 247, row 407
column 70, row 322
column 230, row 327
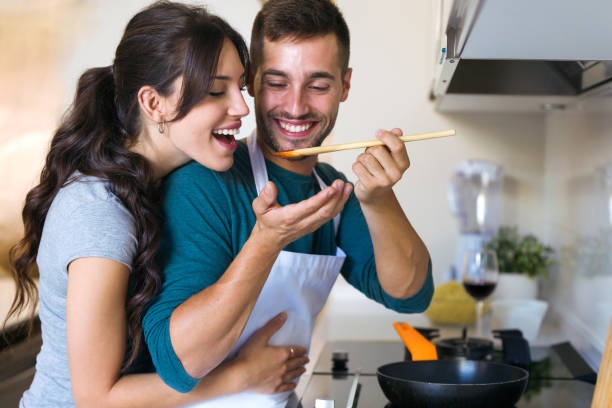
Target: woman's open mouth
column 226, row 137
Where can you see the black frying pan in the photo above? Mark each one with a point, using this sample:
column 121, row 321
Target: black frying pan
column 452, row 383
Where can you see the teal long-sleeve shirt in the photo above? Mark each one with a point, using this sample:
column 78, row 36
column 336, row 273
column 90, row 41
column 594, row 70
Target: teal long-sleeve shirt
column 208, row 219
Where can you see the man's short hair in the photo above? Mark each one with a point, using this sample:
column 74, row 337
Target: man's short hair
column 299, row 19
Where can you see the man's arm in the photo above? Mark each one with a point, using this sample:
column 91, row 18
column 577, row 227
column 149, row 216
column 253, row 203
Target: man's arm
column 200, row 314
column 96, row 332
column 401, row 257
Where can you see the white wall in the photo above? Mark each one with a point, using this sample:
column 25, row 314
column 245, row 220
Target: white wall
column 578, row 219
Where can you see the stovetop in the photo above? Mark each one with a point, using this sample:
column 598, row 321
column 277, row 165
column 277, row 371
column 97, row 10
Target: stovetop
column 555, row 375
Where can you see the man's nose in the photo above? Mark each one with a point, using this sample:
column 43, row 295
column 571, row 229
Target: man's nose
column 295, row 103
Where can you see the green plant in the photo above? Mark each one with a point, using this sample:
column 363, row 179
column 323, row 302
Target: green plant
column 520, row 254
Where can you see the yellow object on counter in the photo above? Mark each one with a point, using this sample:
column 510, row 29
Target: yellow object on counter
column 451, row 304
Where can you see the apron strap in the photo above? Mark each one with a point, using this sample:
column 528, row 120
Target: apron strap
column 258, row 163
column 260, row 173
column 322, row 185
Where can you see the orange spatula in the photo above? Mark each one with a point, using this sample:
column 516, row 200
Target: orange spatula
column 420, row 348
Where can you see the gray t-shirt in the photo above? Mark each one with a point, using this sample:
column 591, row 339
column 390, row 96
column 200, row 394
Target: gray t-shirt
column 85, row 219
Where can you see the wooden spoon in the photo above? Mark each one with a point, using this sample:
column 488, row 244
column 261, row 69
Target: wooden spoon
column 360, row 145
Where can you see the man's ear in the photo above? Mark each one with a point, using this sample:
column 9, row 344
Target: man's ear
column 152, row 103
column 346, row 84
column 250, row 83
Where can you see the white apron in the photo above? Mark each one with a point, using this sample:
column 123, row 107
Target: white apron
column 298, row 284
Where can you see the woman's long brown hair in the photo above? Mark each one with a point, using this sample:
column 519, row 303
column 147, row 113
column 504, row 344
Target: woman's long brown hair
column 160, row 43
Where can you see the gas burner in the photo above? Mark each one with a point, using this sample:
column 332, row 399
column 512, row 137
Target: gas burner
column 470, row 348
column 459, row 348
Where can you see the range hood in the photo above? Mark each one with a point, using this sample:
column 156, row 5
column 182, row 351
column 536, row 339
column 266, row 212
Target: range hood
column 523, row 55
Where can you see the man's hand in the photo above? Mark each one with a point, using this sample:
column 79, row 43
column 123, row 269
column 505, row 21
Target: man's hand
column 380, row 167
column 285, row 224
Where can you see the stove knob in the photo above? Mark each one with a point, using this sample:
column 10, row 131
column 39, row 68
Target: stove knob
column 324, row 403
column 340, row 359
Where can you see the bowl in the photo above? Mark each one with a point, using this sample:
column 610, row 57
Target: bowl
column 523, row 314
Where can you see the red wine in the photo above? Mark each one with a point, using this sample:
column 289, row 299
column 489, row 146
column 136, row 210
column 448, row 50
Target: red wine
column 479, row 290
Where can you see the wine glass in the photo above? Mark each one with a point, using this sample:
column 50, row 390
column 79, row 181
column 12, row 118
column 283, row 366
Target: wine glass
column 479, row 274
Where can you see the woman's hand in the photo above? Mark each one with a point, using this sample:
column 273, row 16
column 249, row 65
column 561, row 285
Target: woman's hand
column 269, row 369
column 283, row 225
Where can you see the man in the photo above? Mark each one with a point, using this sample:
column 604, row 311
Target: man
column 230, row 267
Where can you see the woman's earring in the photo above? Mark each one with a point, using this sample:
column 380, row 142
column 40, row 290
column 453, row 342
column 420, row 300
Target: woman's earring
column 161, row 126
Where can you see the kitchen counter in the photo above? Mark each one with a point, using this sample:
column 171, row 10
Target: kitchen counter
column 552, row 384
column 349, row 315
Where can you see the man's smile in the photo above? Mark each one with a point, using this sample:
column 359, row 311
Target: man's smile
column 296, row 129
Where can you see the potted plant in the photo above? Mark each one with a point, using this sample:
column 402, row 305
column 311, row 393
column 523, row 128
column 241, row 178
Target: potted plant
column 522, row 259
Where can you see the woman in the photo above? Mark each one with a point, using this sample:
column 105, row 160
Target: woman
column 92, row 224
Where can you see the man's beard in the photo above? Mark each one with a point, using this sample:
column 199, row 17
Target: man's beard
column 266, row 127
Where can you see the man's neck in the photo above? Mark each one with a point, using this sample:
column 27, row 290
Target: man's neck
column 304, row 166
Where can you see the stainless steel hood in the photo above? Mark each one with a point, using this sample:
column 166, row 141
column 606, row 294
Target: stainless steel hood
column 523, row 55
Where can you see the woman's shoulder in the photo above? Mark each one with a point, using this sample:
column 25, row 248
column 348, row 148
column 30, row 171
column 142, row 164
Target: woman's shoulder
column 86, row 188
column 86, row 194
column 87, row 219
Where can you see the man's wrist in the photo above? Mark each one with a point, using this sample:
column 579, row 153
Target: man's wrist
column 266, row 242
column 379, row 204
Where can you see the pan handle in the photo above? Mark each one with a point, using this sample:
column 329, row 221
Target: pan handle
column 420, row 348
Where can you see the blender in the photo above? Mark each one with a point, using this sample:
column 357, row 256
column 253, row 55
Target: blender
column 474, row 196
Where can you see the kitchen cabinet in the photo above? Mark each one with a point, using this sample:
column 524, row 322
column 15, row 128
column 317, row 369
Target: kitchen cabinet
column 521, row 56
